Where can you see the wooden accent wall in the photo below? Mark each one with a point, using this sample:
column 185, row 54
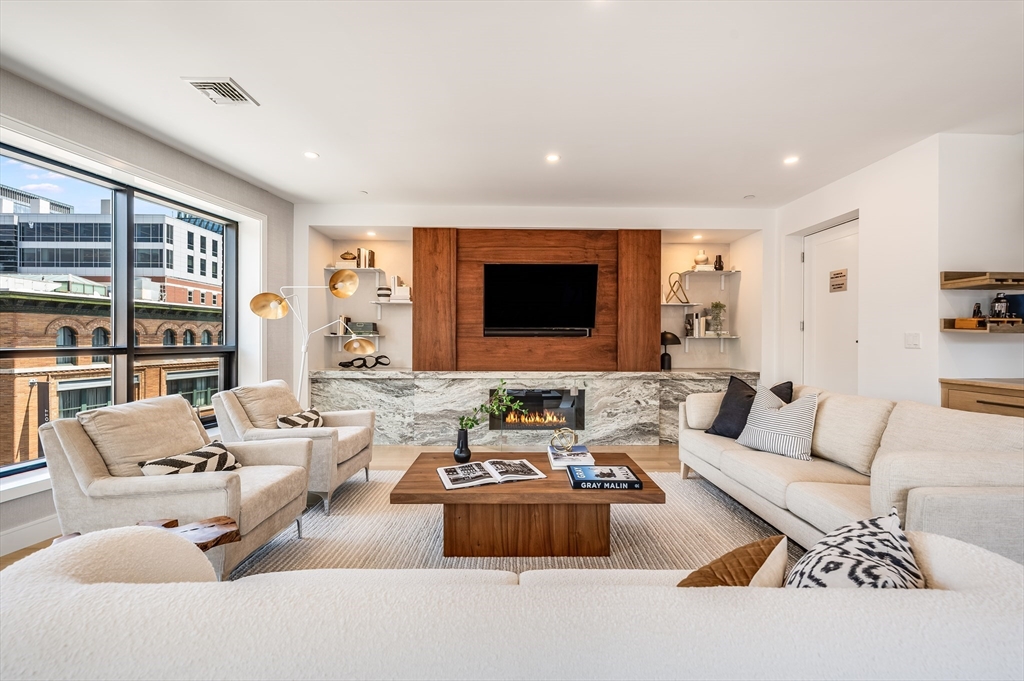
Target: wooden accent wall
column 639, row 323
column 479, row 246
column 448, row 313
column 433, row 285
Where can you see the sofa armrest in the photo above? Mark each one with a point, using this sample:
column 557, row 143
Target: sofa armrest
column 354, row 417
column 990, row 517
column 277, row 452
column 894, row 474
column 120, row 501
column 699, row 410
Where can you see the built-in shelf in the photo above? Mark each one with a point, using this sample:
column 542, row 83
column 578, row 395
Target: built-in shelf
column 719, row 273
column 721, row 341
column 995, row 328
column 381, row 303
column 982, row 281
column 354, row 335
column 682, row 304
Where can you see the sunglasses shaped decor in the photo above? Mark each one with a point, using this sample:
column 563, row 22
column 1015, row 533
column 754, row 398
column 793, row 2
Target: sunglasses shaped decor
column 366, row 362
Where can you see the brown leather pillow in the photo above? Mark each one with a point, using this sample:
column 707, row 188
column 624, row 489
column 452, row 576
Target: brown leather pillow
column 760, row 563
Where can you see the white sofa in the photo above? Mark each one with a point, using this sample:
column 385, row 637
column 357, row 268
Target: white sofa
column 950, row 472
column 140, row 603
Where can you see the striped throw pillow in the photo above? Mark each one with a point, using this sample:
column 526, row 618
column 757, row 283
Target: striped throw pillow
column 780, row 428
column 213, row 457
column 304, row 419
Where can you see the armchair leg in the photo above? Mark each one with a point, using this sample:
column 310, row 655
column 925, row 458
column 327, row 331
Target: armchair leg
column 327, row 502
column 298, row 526
column 367, row 469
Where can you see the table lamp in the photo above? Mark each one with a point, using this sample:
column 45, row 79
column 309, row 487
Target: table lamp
column 668, row 338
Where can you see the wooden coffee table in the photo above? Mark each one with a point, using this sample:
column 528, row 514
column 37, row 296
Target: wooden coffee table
column 525, row 518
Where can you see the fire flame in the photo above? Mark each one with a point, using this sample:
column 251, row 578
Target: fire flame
column 533, row 418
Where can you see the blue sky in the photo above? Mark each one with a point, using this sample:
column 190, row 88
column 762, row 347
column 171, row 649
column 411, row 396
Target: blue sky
column 85, row 197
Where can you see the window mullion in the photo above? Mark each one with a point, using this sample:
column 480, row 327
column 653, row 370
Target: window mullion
column 122, row 292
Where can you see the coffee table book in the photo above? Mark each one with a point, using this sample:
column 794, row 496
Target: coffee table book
column 579, row 455
column 603, row 477
column 489, row 472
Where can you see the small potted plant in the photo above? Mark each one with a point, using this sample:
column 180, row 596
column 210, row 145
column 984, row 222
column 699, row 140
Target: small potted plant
column 498, row 405
column 715, row 315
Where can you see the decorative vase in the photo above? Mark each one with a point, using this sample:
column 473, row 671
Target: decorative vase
column 383, row 293
column 719, row 265
column 701, row 259
column 462, row 453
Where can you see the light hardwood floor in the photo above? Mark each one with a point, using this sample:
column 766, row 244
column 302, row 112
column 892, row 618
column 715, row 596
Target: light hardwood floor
column 652, row 458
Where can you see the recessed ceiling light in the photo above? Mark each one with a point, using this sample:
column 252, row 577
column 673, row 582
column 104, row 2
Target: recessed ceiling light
column 790, row 160
column 552, row 158
column 363, row 191
column 749, row 196
column 371, row 234
column 697, row 236
column 311, row 154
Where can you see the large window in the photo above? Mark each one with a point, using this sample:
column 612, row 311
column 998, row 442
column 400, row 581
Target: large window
column 79, row 279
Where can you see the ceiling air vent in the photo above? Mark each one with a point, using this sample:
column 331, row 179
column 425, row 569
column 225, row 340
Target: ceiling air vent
column 221, row 91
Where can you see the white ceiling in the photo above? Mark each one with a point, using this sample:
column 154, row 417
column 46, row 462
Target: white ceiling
column 649, row 104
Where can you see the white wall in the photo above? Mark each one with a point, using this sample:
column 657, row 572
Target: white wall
column 747, row 255
column 897, row 200
column 981, row 228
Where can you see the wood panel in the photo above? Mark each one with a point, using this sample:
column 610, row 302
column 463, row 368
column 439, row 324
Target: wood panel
column 479, row 530
column 639, row 315
column 433, row 312
column 985, row 396
column 479, row 246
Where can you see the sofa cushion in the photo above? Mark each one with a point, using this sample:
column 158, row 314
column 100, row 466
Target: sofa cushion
column 265, row 490
column 770, row 474
column 848, row 429
column 774, row 426
column 263, row 402
column 735, row 408
column 707, row 447
column 872, row 553
column 915, row 427
column 760, row 564
column 128, row 434
column 828, row 505
column 352, row 440
column 700, row 409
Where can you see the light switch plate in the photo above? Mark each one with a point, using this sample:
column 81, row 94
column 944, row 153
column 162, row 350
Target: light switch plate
column 912, row 340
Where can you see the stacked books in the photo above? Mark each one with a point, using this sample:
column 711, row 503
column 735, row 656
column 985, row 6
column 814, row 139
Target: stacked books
column 399, row 291
column 579, row 455
column 603, row 477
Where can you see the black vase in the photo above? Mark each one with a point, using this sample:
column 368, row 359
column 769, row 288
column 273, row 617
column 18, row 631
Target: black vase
column 719, row 265
column 462, row 453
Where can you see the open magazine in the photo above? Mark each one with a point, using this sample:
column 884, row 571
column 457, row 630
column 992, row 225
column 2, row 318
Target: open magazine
column 487, row 472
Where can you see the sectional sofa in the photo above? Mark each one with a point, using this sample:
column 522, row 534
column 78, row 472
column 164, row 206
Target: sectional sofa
column 955, row 473
column 141, row 603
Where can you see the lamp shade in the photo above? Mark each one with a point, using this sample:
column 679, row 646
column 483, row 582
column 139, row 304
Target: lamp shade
column 669, row 338
column 268, row 305
column 360, row 345
column 343, row 283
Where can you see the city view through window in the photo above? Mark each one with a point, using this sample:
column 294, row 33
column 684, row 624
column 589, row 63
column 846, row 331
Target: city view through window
column 57, row 292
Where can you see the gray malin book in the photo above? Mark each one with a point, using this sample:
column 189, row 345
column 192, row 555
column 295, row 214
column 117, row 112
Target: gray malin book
column 603, row 477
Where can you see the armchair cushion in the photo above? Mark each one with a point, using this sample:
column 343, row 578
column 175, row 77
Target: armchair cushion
column 127, row 434
column 263, row 402
column 266, row 490
column 213, row 457
column 351, row 441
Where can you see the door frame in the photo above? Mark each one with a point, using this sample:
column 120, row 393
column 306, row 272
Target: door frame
column 849, row 228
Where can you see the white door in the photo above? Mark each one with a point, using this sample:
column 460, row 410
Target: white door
column 830, row 308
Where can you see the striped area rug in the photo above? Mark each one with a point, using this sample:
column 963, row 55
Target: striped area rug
column 697, row 523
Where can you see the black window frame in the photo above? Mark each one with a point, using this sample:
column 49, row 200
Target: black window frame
column 123, row 351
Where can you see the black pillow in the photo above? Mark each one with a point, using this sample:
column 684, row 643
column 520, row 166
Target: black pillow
column 732, row 415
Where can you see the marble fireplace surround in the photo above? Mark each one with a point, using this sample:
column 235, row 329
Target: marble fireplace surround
column 422, row 407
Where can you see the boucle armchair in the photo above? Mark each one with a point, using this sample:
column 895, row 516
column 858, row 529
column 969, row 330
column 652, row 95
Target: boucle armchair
column 97, row 483
column 342, row 446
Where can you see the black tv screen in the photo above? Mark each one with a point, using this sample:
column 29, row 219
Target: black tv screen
column 539, row 300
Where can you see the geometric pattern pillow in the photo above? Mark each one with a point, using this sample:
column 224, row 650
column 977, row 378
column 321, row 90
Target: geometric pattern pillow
column 304, row 419
column 780, row 428
column 871, row 553
column 760, row 563
column 213, row 457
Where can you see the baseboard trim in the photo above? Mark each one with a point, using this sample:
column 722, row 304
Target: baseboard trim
column 28, row 534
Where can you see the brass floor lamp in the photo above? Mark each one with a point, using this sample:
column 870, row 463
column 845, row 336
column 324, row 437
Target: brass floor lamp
column 342, row 284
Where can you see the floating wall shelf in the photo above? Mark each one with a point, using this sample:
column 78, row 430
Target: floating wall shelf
column 381, row 303
column 682, row 304
column 998, row 328
column 721, row 341
column 723, row 274
column 982, row 281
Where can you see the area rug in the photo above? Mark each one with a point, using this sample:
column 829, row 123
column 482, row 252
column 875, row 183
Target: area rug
column 696, row 524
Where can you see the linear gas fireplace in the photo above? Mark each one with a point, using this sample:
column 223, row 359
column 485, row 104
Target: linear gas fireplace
column 545, row 410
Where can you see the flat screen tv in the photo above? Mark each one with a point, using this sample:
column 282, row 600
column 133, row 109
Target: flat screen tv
column 539, row 300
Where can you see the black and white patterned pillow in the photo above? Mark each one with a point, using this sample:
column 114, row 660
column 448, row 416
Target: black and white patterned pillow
column 780, row 428
column 871, row 553
column 304, row 419
column 213, row 457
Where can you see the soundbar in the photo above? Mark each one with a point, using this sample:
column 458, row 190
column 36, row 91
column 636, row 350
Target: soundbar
column 518, row 332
